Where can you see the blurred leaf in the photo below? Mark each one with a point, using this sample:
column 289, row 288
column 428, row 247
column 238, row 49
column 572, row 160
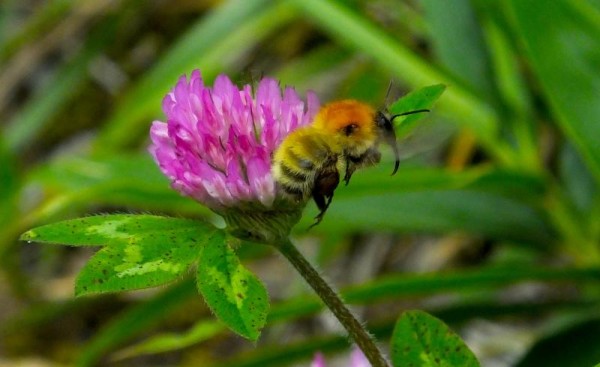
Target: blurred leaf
column 418, row 99
column 310, row 70
column 413, row 285
column 212, row 44
column 575, row 176
column 565, row 55
column 123, row 180
column 576, row 345
column 50, row 13
column 524, row 187
column 165, row 342
column 458, row 43
column 6, row 14
column 356, row 32
column 278, row 354
column 509, row 183
column 496, row 203
column 140, row 250
column 514, row 100
column 444, row 211
column 364, row 81
column 420, row 339
column 235, row 295
column 58, row 91
column 9, row 182
column 134, row 321
column 395, row 287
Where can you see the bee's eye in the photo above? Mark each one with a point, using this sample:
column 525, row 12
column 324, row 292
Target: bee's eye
column 350, row 129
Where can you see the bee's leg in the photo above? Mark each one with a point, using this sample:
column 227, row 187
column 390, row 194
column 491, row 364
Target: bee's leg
column 369, row 158
column 322, row 203
column 350, row 168
column 325, row 184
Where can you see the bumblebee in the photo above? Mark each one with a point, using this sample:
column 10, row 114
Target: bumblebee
column 343, row 137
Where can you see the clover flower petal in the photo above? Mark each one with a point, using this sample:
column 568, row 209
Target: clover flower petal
column 357, row 359
column 217, row 143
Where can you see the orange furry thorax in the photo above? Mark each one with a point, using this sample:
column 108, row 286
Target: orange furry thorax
column 336, row 115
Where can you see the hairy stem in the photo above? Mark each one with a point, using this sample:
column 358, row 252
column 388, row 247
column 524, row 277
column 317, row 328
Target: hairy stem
column 331, row 299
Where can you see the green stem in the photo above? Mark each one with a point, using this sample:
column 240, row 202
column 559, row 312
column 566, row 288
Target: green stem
column 331, row 299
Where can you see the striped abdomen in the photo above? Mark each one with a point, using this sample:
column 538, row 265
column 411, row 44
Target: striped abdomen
column 303, row 154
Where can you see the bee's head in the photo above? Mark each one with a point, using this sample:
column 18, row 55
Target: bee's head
column 387, row 133
column 351, row 122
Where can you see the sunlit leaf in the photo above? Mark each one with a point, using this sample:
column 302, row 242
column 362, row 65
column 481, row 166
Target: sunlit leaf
column 420, row 339
column 235, row 295
column 139, row 250
column 418, row 99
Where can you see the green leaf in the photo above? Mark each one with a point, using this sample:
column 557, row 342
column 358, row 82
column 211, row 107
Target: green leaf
column 135, row 321
column 497, row 203
column 436, row 211
column 9, row 181
column 578, row 183
column 416, row 100
column 576, row 345
column 420, row 339
column 565, row 56
column 140, row 250
column 457, row 41
column 403, row 286
column 123, row 180
column 235, row 295
column 165, row 342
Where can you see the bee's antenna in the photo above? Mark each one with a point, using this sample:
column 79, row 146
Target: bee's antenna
column 408, row 113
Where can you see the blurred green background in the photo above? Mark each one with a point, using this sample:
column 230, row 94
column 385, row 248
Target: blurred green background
column 492, row 222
